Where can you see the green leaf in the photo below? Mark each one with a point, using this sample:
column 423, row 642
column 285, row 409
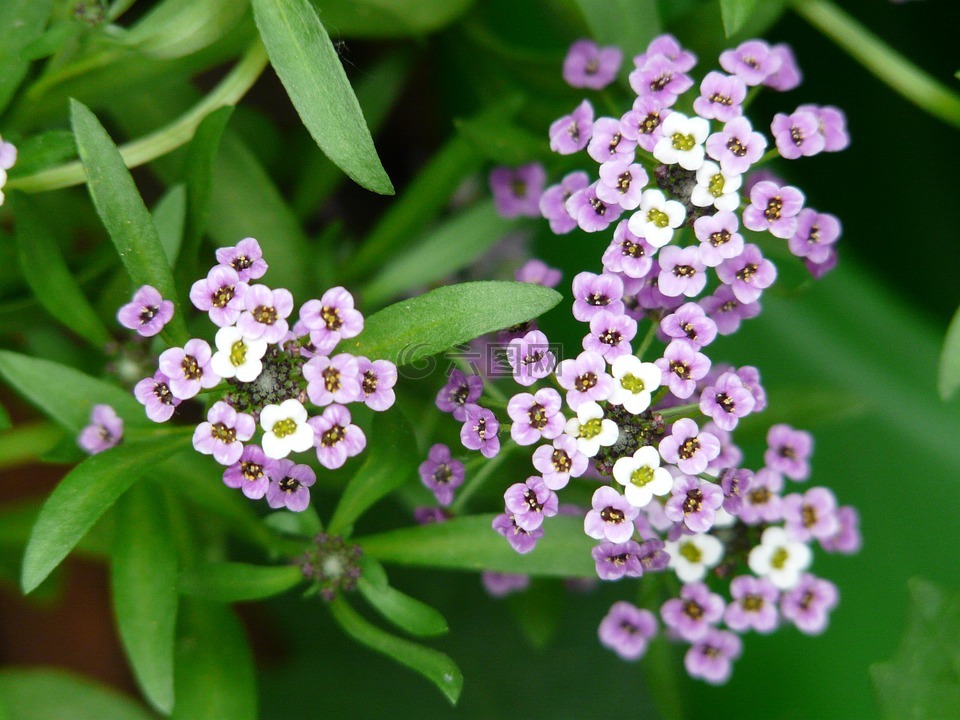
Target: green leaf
column 55, row 37
column 214, row 677
column 629, row 24
column 123, row 213
column 176, row 28
column 310, row 70
column 21, row 22
column 405, row 612
column 389, row 464
column 433, row 665
column 42, row 151
column 735, row 13
column 538, row 610
column 86, row 494
column 389, row 18
column 453, row 245
column 470, row 543
column 5, row 421
column 235, row 582
column 503, row 143
column 299, row 524
column 169, row 215
column 949, row 370
column 66, row 394
column 48, row 694
column 144, row 582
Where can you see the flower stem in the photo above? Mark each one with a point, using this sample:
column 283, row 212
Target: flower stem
column 233, row 87
column 680, row 411
column 477, row 481
column 880, row 59
column 647, row 339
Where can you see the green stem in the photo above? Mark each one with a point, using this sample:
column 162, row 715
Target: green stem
column 477, row 481
column 233, row 87
column 26, row 443
column 647, row 339
column 680, row 411
column 880, row 59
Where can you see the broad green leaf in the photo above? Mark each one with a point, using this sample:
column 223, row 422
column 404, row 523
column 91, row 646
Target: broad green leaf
column 47, row 274
column 389, row 18
column 234, row 582
column 169, row 215
column 413, row 329
column 310, row 70
column 949, row 371
column 123, row 213
column 48, row 694
column 470, row 543
column 21, row 22
column 86, row 494
column 453, row 245
column 433, row 665
column 299, row 524
column 42, row 151
column 628, row 24
column 175, row 28
column 214, row 672
column 735, row 13
column 56, row 36
column 405, row 612
column 389, row 464
column 28, row 441
column 66, row 394
column 144, row 581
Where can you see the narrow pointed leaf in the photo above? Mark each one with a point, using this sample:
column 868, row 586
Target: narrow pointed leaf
column 123, row 213
column 169, row 216
column 175, row 28
column 390, row 18
column 144, row 582
column 47, row 694
column 389, row 463
column 234, row 582
column 309, row 68
column 411, row 330
column 42, row 151
column 84, row 495
column 405, row 612
column 433, row 665
column 735, row 14
column 949, row 371
column 21, row 22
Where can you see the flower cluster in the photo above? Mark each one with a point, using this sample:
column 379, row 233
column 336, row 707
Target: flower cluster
column 692, row 224
column 8, row 157
column 269, row 390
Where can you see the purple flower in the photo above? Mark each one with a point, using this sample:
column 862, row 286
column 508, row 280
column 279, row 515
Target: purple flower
column 104, row 431
column 265, row 313
column 592, row 213
column 748, row 274
column 628, row 254
column 847, row 538
column 668, row 46
column 718, row 236
column 572, row 132
column 331, row 319
column 754, row 605
column 762, row 502
column 735, row 482
column 808, row 605
column 155, row 395
column 691, row 450
column 559, row 462
column 617, row 560
column 693, row 613
column 531, row 358
column 681, row 272
column 797, row 134
column 333, row 380
column 535, row 416
column 590, row 66
column 682, row 366
column 246, row 258
column 8, row 157
column 520, row 540
column 642, row 124
column 585, row 379
column 694, row 502
column 773, row 208
column 788, row 76
column 249, row 473
column 811, row 515
column 459, row 391
column 653, row 556
column 516, row 191
column 498, row 584
column 689, row 322
column 441, row 473
column 626, row 630
column 711, row 658
column 752, row 61
column 147, row 313
column 660, row 79
column 621, row 182
column 819, row 268
column 553, row 202
column 831, row 124
column 750, row 377
column 726, row 401
column 720, row 97
column 377, row 378
column 727, row 311
column 224, row 433
column 289, row 485
column 335, row 437
column 737, row 146
column 610, row 335
column 593, row 293
column 611, row 517
column 530, row 502
column 188, row 369
column 816, row 233
column 788, row 451
column 428, row 515
column 480, row 431
column 607, row 142
column 538, row 272
column 220, row 294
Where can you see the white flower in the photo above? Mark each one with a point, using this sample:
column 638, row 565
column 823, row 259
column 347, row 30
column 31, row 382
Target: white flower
column 779, row 558
column 591, row 430
column 656, row 218
column 237, row 356
column 682, row 141
column 724, row 519
column 716, row 187
column 633, row 382
column 691, row 555
column 642, row 476
column 285, row 429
